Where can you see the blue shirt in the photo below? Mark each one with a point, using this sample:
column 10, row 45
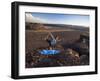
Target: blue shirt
column 53, row 42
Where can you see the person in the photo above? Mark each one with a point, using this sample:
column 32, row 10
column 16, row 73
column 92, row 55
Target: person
column 52, row 41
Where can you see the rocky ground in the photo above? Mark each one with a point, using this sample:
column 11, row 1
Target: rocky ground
column 67, row 57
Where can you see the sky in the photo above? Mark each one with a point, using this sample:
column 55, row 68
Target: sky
column 72, row 19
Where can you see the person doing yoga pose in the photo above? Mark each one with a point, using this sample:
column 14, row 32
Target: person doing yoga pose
column 52, row 41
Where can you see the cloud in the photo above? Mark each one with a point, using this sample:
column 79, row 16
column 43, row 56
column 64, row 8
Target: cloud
column 32, row 19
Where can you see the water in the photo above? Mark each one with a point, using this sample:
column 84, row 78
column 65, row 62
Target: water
column 49, row 52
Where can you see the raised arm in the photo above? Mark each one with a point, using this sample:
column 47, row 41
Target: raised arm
column 47, row 37
column 51, row 35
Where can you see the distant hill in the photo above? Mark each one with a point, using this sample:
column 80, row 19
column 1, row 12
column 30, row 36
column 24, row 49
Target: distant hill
column 75, row 27
column 35, row 26
column 40, row 26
